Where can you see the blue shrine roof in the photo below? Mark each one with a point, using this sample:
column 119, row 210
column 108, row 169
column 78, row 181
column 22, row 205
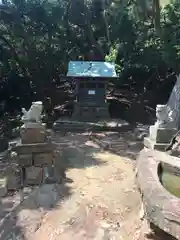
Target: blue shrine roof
column 91, row 69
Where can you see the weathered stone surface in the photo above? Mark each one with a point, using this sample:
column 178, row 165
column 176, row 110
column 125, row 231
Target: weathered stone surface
column 33, row 148
column 90, row 112
column 153, row 145
column 33, row 135
column 161, row 207
column 41, row 159
column 46, row 195
column 81, row 126
column 60, row 163
column 52, row 175
column 14, row 177
column 33, row 175
column 161, row 135
column 3, row 186
column 25, row 159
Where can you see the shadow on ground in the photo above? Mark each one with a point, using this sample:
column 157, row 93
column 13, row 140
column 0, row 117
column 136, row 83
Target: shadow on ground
column 126, row 144
column 20, row 221
column 158, row 234
column 22, row 212
column 76, row 150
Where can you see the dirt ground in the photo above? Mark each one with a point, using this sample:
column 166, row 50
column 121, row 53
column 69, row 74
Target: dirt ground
column 104, row 202
column 99, row 200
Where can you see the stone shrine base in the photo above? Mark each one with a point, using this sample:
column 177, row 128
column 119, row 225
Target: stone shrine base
column 83, row 112
column 70, row 125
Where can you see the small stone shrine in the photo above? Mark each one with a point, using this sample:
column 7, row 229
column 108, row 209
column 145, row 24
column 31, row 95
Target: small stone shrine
column 90, row 106
column 91, row 82
column 161, row 133
column 33, row 157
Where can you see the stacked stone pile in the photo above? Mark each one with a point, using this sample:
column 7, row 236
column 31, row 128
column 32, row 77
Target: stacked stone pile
column 32, row 161
column 34, row 155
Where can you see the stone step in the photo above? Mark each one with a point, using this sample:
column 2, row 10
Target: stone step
column 73, row 126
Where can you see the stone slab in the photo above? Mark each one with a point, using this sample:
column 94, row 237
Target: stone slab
column 25, row 159
column 33, row 148
column 161, row 135
column 3, row 187
column 153, row 145
column 33, row 135
column 41, row 159
column 33, row 175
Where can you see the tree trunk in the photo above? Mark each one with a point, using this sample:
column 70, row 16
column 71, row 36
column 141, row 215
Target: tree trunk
column 156, row 16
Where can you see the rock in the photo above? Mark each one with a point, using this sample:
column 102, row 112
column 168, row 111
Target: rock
column 46, row 196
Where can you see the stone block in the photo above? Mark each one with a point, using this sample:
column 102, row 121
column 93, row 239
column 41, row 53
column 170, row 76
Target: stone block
column 25, row 159
column 51, row 175
column 33, row 125
column 161, row 135
column 14, row 177
column 33, row 135
column 41, row 159
column 153, row 145
column 102, row 112
column 33, row 148
column 33, row 175
column 3, row 187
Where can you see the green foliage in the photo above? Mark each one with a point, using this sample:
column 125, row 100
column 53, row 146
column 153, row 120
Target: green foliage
column 38, row 38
